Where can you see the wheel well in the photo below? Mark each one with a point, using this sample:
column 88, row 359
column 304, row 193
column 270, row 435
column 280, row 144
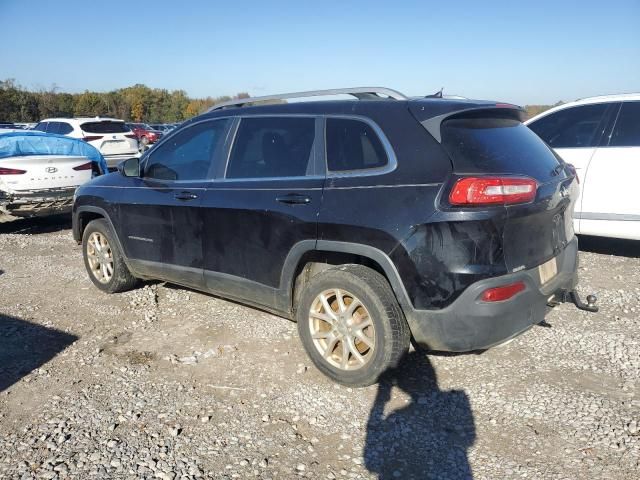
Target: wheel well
column 317, row 261
column 84, row 218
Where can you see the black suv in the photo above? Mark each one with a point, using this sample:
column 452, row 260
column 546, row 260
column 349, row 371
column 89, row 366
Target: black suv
column 370, row 222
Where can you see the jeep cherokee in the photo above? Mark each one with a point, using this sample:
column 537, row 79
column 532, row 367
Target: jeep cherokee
column 369, row 222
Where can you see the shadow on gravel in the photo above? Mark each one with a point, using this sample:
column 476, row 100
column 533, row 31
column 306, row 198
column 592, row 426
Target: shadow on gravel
column 610, row 246
column 427, row 438
column 36, row 225
column 25, row 346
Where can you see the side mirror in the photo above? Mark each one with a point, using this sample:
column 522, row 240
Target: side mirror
column 130, row 167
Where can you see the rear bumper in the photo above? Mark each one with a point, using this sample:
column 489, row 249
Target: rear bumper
column 470, row 324
column 37, row 202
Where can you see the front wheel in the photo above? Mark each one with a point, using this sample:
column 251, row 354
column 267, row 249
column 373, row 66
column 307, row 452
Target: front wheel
column 104, row 260
column 351, row 325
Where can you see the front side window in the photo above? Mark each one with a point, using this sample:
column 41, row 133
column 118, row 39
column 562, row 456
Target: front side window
column 573, row 127
column 353, row 145
column 187, row 155
column 627, row 130
column 272, row 147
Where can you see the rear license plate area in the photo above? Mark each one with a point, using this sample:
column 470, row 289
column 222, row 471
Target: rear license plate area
column 113, row 145
column 548, row 270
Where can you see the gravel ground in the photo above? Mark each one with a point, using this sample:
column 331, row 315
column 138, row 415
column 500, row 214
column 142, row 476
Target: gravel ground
column 164, row 382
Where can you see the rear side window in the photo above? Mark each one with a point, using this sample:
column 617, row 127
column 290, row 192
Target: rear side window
column 353, row 145
column 272, row 147
column 104, row 126
column 497, row 146
column 60, row 128
column 573, row 127
column 627, row 130
column 187, row 155
column 42, row 126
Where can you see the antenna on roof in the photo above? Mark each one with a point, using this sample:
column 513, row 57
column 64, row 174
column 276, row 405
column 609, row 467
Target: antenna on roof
column 436, row 95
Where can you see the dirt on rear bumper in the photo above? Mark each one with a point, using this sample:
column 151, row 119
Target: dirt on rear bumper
column 470, row 324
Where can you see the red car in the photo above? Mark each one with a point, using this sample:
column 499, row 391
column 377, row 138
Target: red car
column 144, row 133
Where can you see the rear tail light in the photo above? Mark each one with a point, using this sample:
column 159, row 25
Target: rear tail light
column 493, row 191
column 91, row 138
column 11, row 171
column 130, row 135
column 84, row 166
column 499, row 294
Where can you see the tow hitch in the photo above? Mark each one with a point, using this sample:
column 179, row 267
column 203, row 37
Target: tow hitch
column 573, row 297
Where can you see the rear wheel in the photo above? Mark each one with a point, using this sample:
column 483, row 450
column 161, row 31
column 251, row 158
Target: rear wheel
column 104, row 260
column 351, row 325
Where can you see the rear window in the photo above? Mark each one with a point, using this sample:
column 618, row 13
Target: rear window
column 496, row 146
column 353, row 145
column 104, row 127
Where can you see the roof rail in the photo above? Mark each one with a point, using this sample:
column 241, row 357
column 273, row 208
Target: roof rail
column 361, row 93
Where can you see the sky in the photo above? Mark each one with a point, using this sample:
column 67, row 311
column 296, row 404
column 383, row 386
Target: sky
column 525, row 52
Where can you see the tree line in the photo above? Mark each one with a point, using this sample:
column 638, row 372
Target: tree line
column 138, row 103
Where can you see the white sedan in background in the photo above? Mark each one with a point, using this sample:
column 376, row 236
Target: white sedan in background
column 39, row 173
column 600, row 136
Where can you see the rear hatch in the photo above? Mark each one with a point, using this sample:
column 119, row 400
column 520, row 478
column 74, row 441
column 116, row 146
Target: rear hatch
column 111, row 137
column 492, row 142
column 43, row 172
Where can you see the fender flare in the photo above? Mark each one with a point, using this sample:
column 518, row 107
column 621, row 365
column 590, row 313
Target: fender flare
column 102, row 212
column 372, row 253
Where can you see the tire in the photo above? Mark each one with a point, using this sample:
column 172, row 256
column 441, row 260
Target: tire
column 120, row 278
column 387, row 336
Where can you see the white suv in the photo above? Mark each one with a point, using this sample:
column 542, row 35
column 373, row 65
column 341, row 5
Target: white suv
column 111, row 136
column 600, row 136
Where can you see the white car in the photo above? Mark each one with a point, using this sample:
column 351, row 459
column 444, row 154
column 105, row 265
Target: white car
column 39, row 173
column 600, row 137
column 110, row 136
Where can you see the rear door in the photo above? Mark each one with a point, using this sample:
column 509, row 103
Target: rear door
column 264, row 203
column 610, row 203
column 160, row 216
column 574, row 133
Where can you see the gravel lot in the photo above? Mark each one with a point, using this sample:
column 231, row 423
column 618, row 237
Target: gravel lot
column 164, row 382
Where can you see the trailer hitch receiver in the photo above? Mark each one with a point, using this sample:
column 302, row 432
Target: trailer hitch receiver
column 590, row 306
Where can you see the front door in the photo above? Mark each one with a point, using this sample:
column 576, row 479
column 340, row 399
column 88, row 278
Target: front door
column 160, row 215
column 265, row 206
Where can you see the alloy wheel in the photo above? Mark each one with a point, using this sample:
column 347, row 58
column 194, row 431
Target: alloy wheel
column 342, row 329
column 100, row 257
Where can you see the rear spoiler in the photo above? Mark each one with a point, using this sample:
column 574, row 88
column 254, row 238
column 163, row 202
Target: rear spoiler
column 501, row 110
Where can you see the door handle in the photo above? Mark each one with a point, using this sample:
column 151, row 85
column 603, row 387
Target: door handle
column 294, row 199
column 185, row 196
